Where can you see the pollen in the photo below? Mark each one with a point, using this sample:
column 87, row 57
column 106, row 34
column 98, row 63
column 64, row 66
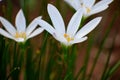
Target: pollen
column 20, row 35
column 68, row 38
column 88, row 9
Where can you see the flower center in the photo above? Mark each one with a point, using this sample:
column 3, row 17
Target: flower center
column 68, row 38
column 87, row 8
column 20, row 35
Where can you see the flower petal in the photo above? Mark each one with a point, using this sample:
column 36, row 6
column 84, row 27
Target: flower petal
column 108, row 1
column 56, row 19
column 8, row 26
column 6, row 34
column 74, row 3
column 98, row 9
column 79, row 40
column 88, row 27
column 59, row 37
column 20, row 22
column 35, row 33
column 19, row 39
column 46, row 26
column 89, row 3
column 75, row 22
column 32, row 25
column 102, row 3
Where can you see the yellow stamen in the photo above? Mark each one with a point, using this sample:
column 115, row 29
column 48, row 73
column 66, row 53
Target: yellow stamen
column 88, row 9
column 20, row 35
column 68, row 38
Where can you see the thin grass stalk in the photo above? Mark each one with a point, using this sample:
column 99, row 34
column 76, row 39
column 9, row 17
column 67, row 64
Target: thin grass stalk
column 22, row 48
column 15, row 56
column 9, row 10
column 29, row 65
column 24, row 7
column 72, row 59
column 86, row 60
column 108, row 58
column 4, row 61
column 58, row 4
column 2, row 46
column 15, row 69
column 83, row 68
column 43, row 7
column 101, row 46
column 79, row 73
column 21, row 60
column 51, row 61
column 65, row 61
column 69, row 60
column 67, row 76
column 39, row 74
column 112, row 70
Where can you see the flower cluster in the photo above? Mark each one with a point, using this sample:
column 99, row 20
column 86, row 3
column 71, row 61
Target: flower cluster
column 69, row 36
column 20, row 33
column 89, row 6
column 72, row 34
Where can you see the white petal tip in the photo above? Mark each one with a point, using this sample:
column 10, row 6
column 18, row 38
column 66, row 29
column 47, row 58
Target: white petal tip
column 20, row 40
column 39, row 18
column 98, row 18
column 20, row 11
column 50, row 6
column 1, row 18
column 83, row 39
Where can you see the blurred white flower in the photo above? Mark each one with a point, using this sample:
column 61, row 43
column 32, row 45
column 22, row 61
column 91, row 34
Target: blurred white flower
column 89, row 6
column 20, row 33
column 72, row 35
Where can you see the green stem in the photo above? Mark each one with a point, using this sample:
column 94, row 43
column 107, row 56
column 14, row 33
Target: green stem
column 18, row 59
column 90, row 44
column 52, row 61
column 69, row 60
column 5, row 61
column 15, row 69
column 22, row 52
column 15, row 56
column 113, row 69
column 39, row 74
column 101, row 46
column 104, row 74
column 15, row 63
column 65, row 62
column 79, row 73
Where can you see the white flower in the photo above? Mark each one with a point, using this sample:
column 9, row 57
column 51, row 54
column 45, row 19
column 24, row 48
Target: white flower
column 89, row 6
column 20, row 33
column 72, row 35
